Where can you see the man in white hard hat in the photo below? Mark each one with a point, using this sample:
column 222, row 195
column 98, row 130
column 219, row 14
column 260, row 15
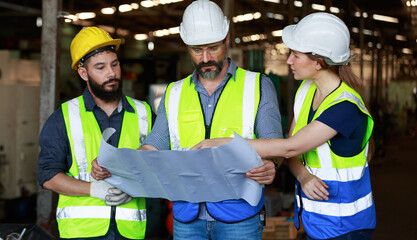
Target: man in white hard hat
column 71, row 137
column 217, row 99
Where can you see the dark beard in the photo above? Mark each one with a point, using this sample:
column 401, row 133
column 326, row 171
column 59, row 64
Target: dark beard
column 209, row 74
column 101, row 93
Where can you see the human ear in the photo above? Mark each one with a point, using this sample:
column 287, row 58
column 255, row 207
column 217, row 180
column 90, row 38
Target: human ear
column 82, row 71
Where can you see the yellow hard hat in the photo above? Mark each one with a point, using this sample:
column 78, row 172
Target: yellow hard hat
column 88, row 40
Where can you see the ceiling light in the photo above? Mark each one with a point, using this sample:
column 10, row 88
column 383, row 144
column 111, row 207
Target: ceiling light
column 318, row 7
column 407, row 51
column 86, row 15
column 334, row 10
column 134, row 5
column 147, row 4
column 39, row 22
column 174, row 30
column 385, row 18
column 277, row 33
column 272, row 1
column 400, row 38
column 108, row 10
column 151, row 46
column 141, row 36
column 125, row 8
column 298, row 3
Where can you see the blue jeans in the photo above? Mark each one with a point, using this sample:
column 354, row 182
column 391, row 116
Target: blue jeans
column 355, row 235
column 214, row 230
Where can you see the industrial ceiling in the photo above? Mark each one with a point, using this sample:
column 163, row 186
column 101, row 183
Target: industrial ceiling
column 19, row 20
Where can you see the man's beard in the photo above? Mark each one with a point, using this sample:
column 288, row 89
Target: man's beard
column 209, row 74
column 103, row 94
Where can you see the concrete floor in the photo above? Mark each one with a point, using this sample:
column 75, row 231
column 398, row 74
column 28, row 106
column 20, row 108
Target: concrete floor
column 394, row 182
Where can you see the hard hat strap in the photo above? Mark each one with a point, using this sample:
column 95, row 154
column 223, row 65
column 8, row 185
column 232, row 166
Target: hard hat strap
column 94, row 52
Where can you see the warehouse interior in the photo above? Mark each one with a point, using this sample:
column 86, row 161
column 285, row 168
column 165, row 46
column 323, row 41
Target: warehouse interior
column 36, row 76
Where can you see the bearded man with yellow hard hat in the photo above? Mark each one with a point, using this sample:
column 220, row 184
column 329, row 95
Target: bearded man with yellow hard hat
column 70, row 139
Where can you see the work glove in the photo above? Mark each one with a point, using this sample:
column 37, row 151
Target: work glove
column 117, row 197
column 108, row 193
column 100, row 189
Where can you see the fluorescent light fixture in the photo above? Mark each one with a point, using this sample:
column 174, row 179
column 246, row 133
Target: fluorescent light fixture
column 298, row 3
column 407, row 51
column 86, row 15
column 385, row 18
column 400, row 38
column 174, row 30
column 277, row 33
column 334, row 10
column 355, row 29
column 257, row 15
column 134, row 5
column 147, row 4
column 141, row 36
column 318, row 7
column 108, row 10
column 125, row 8
column 272, row 1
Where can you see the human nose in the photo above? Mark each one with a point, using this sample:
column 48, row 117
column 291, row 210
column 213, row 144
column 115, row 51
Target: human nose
column 290, row 59
column 111, row 72
column 206, row 55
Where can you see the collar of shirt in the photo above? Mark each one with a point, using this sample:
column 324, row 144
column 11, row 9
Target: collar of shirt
column 90, row 103
column 231, row 73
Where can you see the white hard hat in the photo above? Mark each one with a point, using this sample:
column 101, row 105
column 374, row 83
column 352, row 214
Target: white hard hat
column 203, row 22
column 322, row 34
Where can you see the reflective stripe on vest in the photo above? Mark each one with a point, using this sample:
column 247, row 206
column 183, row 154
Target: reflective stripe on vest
column 347, row 199
column 236, row 110
column 74, row 213
column 100, row 212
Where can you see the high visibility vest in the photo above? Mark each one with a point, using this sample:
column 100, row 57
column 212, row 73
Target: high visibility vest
column 83, row 217
column 235, row 112
column 350, row 206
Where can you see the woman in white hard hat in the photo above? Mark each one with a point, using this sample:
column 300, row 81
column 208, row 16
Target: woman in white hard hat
column 331, row 131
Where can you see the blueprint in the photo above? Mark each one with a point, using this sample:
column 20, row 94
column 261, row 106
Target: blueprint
column 203, row 175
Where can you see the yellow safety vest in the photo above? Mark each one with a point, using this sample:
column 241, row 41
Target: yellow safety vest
column 235, row 112
column 80, row 217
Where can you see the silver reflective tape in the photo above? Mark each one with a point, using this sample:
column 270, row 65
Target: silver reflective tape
column 248, row 108
column 172, row 115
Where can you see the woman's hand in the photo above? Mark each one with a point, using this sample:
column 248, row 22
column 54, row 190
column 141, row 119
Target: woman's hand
column 209, row 143
column 313, row 187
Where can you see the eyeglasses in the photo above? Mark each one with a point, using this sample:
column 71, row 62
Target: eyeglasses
column 213, row 49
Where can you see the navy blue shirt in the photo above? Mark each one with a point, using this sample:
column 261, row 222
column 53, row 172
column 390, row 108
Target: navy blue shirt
column 55, row 155
column 349, row 122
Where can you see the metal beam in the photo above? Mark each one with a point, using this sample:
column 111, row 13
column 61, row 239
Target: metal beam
column 51, row 31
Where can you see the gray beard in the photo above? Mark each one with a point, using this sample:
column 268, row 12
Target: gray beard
column 209, row 74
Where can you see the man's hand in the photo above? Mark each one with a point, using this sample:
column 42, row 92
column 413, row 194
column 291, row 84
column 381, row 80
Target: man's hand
column 117, row 197
column 97, row 172
column 100, row 189
column 209, row 143
column 264, row 174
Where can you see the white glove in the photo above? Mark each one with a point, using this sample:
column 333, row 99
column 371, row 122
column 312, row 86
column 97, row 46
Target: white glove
column 117, row 197
column 100, row 189
column 108, row 193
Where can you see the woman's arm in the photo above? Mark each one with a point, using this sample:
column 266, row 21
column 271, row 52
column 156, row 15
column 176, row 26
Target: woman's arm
column 307, row 138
